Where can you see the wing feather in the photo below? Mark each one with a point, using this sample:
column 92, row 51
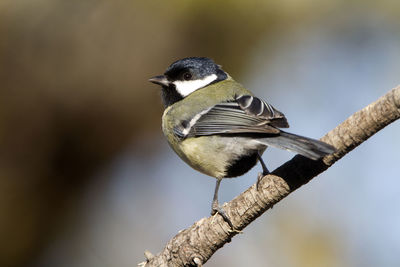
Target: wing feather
column 246, row 115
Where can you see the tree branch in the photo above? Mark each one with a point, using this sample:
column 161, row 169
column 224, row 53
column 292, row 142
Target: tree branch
column 196, row 244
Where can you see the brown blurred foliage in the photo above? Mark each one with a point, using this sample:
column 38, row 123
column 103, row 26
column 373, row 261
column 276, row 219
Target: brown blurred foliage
column 73, row 94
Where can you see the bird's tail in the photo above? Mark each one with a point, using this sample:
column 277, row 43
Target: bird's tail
column 310, row 148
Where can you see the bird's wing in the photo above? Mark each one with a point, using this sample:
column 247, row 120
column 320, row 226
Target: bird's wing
column 245, row 115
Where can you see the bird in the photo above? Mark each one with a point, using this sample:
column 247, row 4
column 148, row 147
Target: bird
column 220, row 128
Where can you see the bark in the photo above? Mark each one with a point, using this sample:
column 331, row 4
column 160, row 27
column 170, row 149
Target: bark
column 196, row 244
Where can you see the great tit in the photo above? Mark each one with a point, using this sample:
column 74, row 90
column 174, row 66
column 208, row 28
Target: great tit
column 219, row 127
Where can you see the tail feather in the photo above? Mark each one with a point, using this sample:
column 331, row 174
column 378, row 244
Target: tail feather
column 310, row 148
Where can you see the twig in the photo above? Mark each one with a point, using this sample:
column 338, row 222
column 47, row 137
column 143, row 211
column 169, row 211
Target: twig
column 196, row 244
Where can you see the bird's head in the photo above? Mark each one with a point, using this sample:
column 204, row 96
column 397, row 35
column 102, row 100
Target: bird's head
column 187, row 75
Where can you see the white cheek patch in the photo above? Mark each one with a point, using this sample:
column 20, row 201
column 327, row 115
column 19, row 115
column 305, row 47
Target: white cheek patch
column 185, row 88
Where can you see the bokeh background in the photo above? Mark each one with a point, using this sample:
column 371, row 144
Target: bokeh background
column 87, row 179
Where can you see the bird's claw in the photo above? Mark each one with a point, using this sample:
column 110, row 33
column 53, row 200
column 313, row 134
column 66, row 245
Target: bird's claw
column 218, row 209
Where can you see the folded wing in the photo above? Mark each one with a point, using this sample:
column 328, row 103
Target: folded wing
column 245, row 115
column 248, row 115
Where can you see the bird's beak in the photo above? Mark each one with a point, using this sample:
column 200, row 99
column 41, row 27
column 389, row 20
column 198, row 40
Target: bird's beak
column 160, row 80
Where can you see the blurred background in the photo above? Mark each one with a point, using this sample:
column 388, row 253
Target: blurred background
column 87, row 179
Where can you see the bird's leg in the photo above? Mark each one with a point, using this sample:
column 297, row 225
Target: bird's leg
column 265, row 170
column 264, row 167
column 215, row 207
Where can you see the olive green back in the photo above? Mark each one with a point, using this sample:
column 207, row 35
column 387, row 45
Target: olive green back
column 200, row 100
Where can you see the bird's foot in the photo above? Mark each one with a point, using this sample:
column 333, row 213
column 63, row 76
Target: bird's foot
column 259, row 178
column 216, row 208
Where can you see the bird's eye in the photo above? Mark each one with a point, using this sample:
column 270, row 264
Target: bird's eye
column 187, row 76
